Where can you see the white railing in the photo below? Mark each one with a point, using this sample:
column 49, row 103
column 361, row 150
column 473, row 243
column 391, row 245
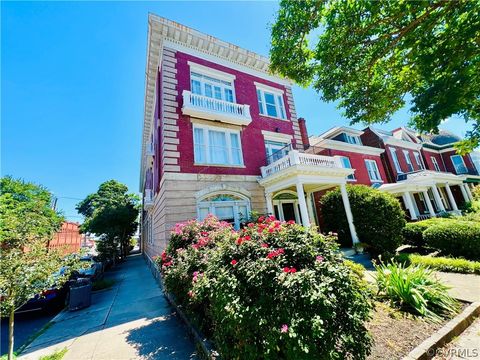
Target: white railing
column 147, row 199
column 215, row 109
column 295, row 157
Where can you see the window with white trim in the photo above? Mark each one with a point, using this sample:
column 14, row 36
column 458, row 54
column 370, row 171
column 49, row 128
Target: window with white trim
column 393, row 152
column 347, row 165
column 211, row 87
column 459, row 164
column 435, row 163
column 231, row 208
column 217, row 146
column 408, row 160
column 275, row 150
column 372, row 170
column 352, row 139
column 418, row 160
column 271, row 103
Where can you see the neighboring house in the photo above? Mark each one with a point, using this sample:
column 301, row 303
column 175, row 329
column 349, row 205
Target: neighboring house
column 68, row 239
column 221, row 136
column 424, row 171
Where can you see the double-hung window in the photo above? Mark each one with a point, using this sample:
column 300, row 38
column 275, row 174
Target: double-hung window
column 408, row 160
column 212, row 87
column 418, row 160
column 372, row 170
column 347, row 165
column 435, row 163
column 217, row 146
column 459, row 164
column 271, row 103
column 393, row 152
column 275, row 150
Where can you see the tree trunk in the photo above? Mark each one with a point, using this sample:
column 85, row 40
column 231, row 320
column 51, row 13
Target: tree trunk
column 10, row 333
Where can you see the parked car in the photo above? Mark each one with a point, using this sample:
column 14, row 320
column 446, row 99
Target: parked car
column 94, row 271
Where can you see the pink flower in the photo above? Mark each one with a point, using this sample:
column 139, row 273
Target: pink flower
column 233, row 262
column 293, row 270
column 263, row 245
column 290, row 270
column 190, row 293
column 286, row 269
column 250, row 225
column 291, row 222
column 247, row 238
column 271, row 230
column 319, row 258
column 261, row 219
column 284, row 328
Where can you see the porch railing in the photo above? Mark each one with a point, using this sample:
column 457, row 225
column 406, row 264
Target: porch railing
column 295, row 157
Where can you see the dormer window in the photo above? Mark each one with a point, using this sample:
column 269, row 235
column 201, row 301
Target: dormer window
column 352, row 139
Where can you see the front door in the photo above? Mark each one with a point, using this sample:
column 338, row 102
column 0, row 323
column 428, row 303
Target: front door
column 288, row 211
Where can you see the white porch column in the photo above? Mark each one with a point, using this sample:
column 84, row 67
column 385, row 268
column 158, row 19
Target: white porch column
column 409, row 204
column 464, row 193
column 268, row 199
column 467, row 188
column 311, row 214
column 431, row 210
column 451, row 198
column 437, row 198
column 303, row 205
column 348, row 211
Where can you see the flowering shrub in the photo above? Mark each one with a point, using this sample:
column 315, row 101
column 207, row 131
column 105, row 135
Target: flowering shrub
column 270, row 291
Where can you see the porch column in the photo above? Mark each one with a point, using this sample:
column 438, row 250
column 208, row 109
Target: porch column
column 438, row 199
column 431, row 210
column 311, row 214
column 348, row 212
column 409, row 205
column 303, row 205
column 268, row 199
column 464, row 193
column 467, row 188
column 451, row 198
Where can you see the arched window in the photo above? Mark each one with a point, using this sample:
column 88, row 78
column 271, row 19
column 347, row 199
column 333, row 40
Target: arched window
column 230, row 207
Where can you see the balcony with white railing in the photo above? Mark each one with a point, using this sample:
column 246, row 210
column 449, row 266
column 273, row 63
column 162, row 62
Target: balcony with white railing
column 147, row 199
column 149, row 150
column 300, row 163
column 214, row 109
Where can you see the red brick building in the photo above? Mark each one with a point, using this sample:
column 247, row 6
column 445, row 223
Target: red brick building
column 68, row 239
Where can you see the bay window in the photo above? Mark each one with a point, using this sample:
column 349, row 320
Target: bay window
column 213, row 145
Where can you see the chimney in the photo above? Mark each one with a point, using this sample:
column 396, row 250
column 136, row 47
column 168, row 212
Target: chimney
column 303, row 132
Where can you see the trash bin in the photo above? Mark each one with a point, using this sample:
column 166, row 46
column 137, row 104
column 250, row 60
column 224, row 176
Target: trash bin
column 80, row 294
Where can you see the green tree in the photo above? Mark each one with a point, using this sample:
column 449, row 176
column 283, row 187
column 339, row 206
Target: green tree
column 112, row 214
column 370, row 55
column 27, row 267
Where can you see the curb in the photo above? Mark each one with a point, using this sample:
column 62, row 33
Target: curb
column 201, row 343
column 427, row 349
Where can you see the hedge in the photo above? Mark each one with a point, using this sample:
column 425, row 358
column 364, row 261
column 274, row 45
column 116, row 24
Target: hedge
column 456, row 265
column 455, row 238
column 413, row 232
column 273, row 290
column 378, row 218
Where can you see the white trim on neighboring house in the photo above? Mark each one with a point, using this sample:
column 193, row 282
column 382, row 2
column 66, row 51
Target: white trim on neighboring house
column 336, row 130
column 344, row 146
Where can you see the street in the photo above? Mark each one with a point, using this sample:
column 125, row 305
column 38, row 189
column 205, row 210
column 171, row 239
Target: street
column 26, row 325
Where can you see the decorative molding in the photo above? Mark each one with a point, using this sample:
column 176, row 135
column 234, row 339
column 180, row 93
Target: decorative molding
column 274, row 136
column 272, row 89
column 222, row 188
column 211, row 72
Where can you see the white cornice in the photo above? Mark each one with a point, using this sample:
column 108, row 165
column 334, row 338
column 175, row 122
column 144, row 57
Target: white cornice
column 343, row 146
column 401, row 143
column 340, row 129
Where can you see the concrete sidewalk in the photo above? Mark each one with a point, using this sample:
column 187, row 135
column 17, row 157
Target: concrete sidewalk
column 131, row 320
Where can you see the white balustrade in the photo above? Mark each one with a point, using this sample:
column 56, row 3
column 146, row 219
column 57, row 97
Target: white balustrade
column 147, row 198
column 215, row 109
column 295, row 157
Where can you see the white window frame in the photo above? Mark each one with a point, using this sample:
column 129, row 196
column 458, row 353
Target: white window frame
column 278, row 98
column 393, row 152
column 408, row 160
column 206, row 129
column 350, row 177
column 236, row 204
column 378, row 177
column 418, row 160
column 455, row 166
column 435, row 163
column 352, row 139
column 212, row 78
column 271, row 148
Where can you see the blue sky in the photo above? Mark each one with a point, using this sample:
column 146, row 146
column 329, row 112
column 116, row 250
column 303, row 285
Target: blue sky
column 72, row 86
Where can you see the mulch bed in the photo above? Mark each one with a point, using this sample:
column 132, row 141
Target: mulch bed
column 396, row 333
